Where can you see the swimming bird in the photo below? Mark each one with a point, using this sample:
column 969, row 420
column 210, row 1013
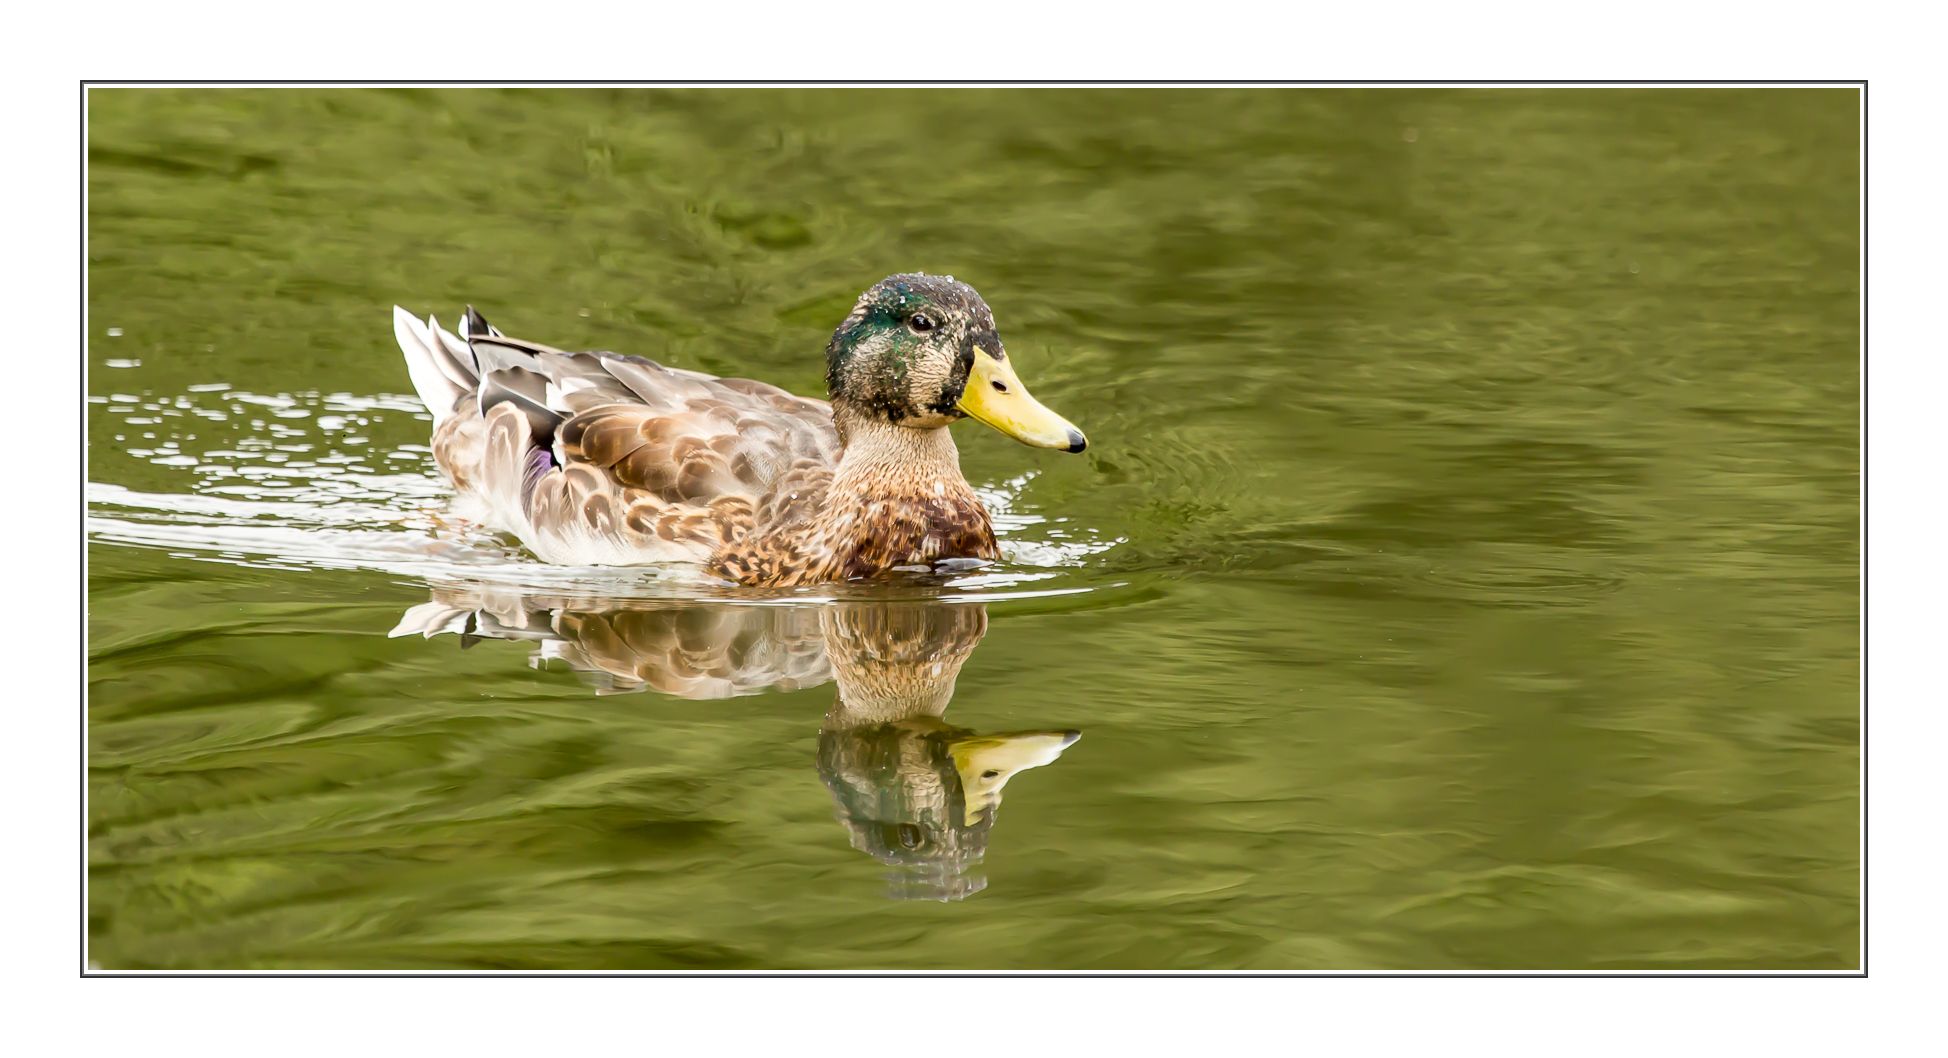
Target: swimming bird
column 598, row 458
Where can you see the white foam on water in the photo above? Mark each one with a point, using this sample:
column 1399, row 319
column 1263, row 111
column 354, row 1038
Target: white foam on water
column 308, row 489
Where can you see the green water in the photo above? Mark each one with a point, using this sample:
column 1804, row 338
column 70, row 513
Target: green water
column 1462, row 573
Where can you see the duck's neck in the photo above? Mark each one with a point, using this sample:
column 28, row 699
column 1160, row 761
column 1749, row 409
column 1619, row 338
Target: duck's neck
column 881, row 457
column 896, row 498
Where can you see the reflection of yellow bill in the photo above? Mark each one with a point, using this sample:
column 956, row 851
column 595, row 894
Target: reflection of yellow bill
column 996, row 397
column 987, row 762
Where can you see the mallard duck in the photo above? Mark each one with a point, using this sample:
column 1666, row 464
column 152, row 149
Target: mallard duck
column 598, row 458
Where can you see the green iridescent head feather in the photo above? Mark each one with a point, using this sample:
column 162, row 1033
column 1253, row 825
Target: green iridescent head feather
column 904, row 352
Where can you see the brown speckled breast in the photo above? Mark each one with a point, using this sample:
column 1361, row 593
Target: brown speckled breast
column 852, row 539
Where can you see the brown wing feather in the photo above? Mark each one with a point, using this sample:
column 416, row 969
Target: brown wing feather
column 721, row 441
column 599, row 457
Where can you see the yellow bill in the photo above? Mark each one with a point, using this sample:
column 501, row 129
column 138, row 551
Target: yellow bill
column 996, row 397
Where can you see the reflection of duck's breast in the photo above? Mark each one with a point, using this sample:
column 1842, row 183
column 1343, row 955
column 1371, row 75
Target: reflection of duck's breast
column 896, row 660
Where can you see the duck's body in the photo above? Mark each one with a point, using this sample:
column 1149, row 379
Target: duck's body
column 604, row 459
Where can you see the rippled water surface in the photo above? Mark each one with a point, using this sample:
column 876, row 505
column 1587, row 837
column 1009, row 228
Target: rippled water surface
column 1462, row 573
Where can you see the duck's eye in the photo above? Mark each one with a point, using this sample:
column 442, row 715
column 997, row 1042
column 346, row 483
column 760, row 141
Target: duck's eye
column 921, row 322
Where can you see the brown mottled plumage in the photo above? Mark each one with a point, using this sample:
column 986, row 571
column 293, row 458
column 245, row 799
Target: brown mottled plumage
column 604, row 459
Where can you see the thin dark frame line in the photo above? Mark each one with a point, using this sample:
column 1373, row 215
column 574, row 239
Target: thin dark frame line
column 1857, row 82
column 1401, row 974
column 81, row 800
column 1865, row 519
column 1863, row 529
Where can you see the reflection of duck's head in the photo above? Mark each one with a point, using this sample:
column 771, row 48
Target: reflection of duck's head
column 913, row 791
column 896, row 792
column 921, row 795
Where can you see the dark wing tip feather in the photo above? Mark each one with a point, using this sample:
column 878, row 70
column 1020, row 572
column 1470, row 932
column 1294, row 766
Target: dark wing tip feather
column 476, row 326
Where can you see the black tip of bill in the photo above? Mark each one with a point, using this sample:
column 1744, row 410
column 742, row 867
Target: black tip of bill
column 1077, row 442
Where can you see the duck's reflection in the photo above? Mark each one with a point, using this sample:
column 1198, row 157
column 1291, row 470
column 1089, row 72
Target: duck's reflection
column 914, row 792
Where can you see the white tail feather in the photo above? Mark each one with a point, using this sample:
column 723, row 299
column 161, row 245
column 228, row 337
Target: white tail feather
column 423, row 356
column 457, row 364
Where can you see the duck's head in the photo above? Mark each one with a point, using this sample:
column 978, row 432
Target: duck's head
column 921, row 351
